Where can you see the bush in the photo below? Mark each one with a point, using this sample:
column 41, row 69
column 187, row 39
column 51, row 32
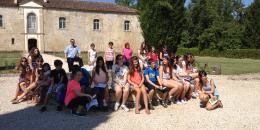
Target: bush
column 236, row 53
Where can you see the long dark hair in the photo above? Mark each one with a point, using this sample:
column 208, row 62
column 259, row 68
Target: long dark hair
column 20, row 66
column 202, row 73
column 185, row 58
column 132, row 66
column 176, row 59
column 168, row 65
column 100, row 58
column 26, row 70
column 143, row 48
column 33, row 55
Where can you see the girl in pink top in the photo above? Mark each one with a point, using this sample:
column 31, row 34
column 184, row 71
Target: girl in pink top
column 136, row 79
column 100, row 79
column 127, row 53
column 109, row 56
column 74, row 98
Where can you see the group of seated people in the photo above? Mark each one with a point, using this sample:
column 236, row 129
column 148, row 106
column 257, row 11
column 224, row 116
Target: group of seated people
column 163, row 78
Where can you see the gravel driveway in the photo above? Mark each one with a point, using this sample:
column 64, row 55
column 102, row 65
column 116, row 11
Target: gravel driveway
column 239, row 94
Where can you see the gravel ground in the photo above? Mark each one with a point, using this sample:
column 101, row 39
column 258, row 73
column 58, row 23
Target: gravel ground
column 240, row 97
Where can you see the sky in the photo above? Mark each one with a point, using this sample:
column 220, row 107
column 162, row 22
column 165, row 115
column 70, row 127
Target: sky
column 246, row 2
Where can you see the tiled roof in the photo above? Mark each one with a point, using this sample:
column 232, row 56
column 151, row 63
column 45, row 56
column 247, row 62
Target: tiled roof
column 75, row 5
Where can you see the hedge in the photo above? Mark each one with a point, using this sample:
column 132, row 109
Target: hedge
column 236, row 53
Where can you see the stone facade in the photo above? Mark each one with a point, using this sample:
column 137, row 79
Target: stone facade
column 79, row 25
column 13, row 28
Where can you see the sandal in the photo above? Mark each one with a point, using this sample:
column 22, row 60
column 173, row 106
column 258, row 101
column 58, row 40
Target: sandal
column 15, row 101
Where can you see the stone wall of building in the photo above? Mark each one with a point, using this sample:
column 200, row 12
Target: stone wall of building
column 13, row 20
column 79, row 25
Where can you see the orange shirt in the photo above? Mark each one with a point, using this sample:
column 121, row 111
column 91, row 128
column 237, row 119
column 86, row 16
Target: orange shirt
column 136, row 77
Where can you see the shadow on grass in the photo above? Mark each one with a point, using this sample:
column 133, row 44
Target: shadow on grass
column 30, row 118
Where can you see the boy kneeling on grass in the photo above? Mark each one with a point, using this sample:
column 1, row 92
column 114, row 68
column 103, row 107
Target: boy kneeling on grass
column 58, row 86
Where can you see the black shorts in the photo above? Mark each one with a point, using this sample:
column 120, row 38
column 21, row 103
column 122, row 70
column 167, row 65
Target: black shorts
column 162, row 91
column 149, row 86
column 109, row 64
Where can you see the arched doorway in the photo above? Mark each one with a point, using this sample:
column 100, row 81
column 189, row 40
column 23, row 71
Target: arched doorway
column 31, row 44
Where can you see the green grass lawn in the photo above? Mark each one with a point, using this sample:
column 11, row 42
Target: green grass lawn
column 231, row 66
column 8, row 61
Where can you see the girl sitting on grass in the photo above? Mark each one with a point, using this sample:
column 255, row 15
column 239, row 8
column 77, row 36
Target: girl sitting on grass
column 208, row 95
column 136, row 79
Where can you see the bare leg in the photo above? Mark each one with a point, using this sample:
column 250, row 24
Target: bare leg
column 150, row 95
column 106, row 98
column 27, row 90
column 16, row 93
column 118, row 93
column 137, row 99
column 125, row 95
column 145, row 98
column 194, row 75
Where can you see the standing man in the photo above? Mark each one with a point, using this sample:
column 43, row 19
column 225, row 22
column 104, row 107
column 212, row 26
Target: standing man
column 72, row 54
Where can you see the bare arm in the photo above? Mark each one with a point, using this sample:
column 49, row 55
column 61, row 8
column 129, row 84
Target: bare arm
column 139, row 55
column 80, row 94
column 161, row 55
column 93, row 76
column 212, row 84
column 160, row 72
column 159, row 80
column 150, row 82
column 88, row 57
column 105, row 56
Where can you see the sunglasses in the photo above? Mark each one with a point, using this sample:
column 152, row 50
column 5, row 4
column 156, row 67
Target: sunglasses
column 24, row 61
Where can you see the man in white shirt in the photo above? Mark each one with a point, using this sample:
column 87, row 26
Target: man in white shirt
column 72, row 54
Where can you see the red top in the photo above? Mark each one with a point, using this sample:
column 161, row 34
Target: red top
column 70, row 93
column 136, row 77
column 153, row 56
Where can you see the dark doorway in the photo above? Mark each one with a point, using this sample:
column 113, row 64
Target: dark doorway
column 31, row 44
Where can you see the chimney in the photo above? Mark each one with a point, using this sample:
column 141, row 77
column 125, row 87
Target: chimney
column 15, row 1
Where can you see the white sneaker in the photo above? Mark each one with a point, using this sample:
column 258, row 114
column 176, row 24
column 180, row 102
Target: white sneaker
column 116, row 106
column 125, row 108
column 178, row 102
column 183, row 101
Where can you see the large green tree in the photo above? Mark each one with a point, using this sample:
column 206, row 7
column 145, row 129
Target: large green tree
column 216, row 24
column 162, row 22
column 252, row 26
